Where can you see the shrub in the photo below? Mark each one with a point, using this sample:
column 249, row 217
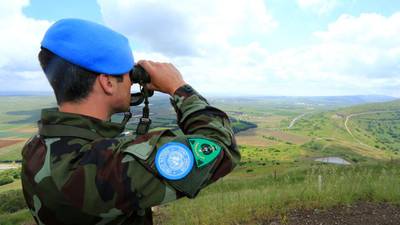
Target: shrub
column 20, row 217
column 15, row 173
column 12, row 201
column 6, row 180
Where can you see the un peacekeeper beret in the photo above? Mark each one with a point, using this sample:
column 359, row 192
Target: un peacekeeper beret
column 89, row 45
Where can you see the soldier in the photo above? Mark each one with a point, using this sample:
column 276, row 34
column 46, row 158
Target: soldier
column 79, row 169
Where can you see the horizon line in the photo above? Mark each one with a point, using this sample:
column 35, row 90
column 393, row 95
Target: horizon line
column 47, row 93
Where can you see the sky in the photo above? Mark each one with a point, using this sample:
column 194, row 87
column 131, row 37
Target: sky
column 228, row 47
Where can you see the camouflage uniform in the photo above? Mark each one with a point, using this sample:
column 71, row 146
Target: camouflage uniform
column 81, row 170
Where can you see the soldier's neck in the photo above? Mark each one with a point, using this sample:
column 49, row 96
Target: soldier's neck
column 87, row 107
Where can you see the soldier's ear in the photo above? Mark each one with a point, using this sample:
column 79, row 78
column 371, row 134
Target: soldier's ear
column 106, row 83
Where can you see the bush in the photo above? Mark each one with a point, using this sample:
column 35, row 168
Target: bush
column 6, row 180
column 20, row 217
column 12, row 201
column 15, row 173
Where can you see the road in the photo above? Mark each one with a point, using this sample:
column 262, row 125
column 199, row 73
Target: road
column 359, row 114
column 295, row 119
column 6, row 166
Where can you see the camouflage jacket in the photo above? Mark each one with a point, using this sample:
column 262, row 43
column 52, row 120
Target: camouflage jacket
column 81, row 170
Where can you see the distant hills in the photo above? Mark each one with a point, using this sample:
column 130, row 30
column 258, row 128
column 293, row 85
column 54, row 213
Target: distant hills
column 317, row 101
column 25, row 93
column 350, row 99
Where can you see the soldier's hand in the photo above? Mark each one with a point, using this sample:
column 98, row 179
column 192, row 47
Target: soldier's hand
column 164, row 76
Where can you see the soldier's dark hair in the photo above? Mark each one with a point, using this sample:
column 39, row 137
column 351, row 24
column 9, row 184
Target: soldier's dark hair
column 70, row 82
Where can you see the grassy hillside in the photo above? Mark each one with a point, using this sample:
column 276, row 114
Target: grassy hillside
column 382, row 106
column 259, row 190
column 277, row 172
column 373, row 129
column 378, row 130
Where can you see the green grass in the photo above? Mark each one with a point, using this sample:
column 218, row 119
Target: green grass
column 269, row 183
column 19, row 217
column 12, row 186
column 323, row 124
column 12, row 152
column 381, row 130
column 23, row 108
column 246, row 196
column 281, row 152
column 392, row 105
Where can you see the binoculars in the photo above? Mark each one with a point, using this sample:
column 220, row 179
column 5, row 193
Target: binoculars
column 139, row 76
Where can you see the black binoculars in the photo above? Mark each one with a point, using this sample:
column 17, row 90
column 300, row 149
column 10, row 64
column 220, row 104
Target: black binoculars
column 139, row 76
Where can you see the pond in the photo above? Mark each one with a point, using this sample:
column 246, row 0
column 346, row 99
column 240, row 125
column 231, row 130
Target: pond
column 333, row 160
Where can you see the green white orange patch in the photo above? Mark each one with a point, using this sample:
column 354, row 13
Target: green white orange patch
column 204, row 151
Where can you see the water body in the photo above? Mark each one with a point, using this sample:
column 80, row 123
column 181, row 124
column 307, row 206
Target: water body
column 333, row 160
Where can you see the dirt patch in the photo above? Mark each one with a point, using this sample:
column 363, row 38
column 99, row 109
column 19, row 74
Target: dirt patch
column 8, row 142
column 27, row 130
column 360, row 213
column 254, row 141
column 259, row 137
column 253, row 137
column 281, row 135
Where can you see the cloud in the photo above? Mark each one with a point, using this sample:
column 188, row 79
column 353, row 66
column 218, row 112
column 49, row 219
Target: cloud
column 19, row 45
column 318, row 6
column 361, row 53
column 189, row 28
column 364, row 46
column 156, row 26
column 219, row 48
column 205, row 48
column 200, row 37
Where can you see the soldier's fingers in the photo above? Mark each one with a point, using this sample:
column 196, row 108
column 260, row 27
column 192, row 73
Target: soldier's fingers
column 152, row 87
column 149, row 66
column 144, row 63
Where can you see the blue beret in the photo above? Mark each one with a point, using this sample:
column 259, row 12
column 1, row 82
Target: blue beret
column 89, row 45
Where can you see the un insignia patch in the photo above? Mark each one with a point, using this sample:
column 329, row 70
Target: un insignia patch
column 204, row 151
column 174, row 161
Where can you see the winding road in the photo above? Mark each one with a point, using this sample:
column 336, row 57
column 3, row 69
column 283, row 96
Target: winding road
column 359, row 114
column 295, row 119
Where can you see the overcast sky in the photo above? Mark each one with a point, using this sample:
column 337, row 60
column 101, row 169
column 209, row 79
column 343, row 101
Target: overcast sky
column 228, row 47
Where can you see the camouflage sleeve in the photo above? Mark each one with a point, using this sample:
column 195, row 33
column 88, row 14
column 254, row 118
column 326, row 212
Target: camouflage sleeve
column 204, row 130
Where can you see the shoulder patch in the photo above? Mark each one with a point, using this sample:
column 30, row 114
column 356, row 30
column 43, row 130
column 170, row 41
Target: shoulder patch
column 174, row 160
column 204, row 151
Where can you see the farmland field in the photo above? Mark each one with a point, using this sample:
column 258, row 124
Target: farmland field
column 279, row 138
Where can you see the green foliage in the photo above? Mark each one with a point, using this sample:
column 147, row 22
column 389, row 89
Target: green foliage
column 313, row 145
column 8, row 176
column 241, row 125
column 380, row 130
column 14, row 173
column 19, row 217
column 11, row 201
column 6, row 180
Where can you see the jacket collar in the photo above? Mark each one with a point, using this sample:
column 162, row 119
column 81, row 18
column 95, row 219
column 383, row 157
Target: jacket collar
column 105, row 129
